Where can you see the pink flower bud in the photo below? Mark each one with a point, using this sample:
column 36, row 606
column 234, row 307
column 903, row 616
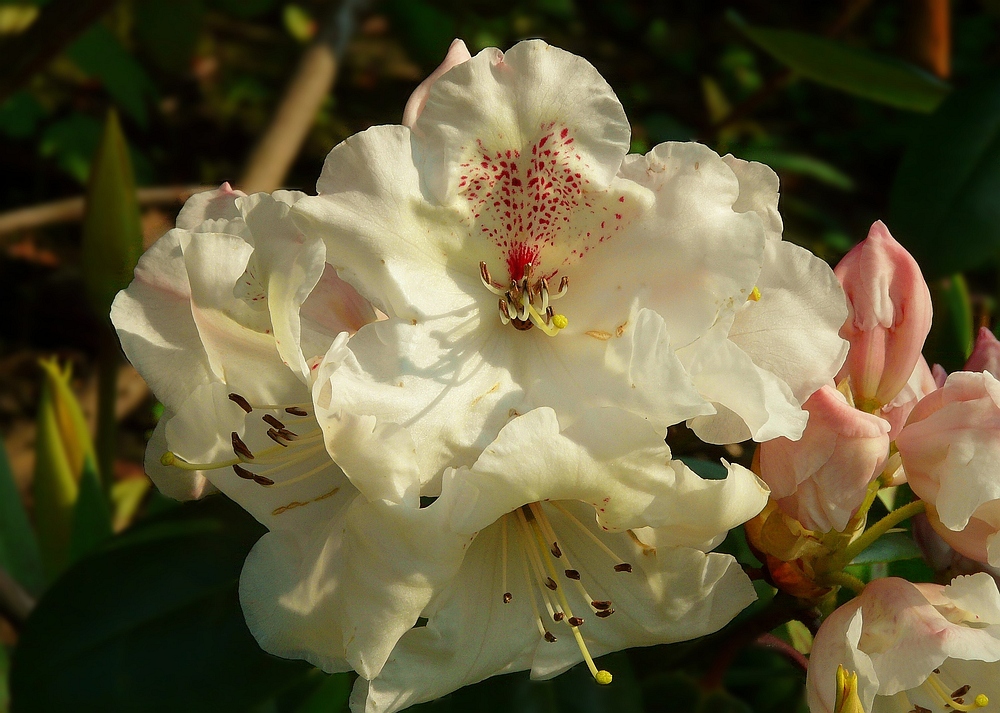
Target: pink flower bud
column 821, row 479
column 890, row 316
column 950, row 448
column 457, row 54
column 986, row 354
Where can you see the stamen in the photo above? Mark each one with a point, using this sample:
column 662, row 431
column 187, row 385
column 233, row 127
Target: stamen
column 269, row 419
column 621, row 566
column 601, row 676
column 305, row 476
column 240, row 448
column 563, row 288
column 536, row 564
column 545, row 633
column 543, row 291
column 754, row 294
column 169, row 458
column 248, row 475
column 295, row 411
column 274, row 436
column 505, row 318
column 955, row 700
column 241, row 402
column 484, row 275
column 571, row 574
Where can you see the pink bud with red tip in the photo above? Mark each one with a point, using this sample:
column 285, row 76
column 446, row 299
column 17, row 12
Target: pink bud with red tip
column 890, row 316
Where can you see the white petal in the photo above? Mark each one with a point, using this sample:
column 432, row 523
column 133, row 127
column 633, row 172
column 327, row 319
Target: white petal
column 758, row 193
column 154, row 323
column 835, row 644
column 498, row 101
column 219, row 204
column 793, row 330
column 400, row 251
column 172, row 482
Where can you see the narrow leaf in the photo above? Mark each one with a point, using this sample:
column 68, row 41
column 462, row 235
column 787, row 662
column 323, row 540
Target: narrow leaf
column 54, row 484
column 112, row 234
column 865, row 74
column 892, row 547
column 91, row 515
column 943, row 204
column 19, row 553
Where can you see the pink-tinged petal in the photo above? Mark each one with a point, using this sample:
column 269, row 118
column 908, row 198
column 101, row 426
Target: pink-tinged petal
column 939, row 374
column 920, row 383
column 986, row 354
column 219, row 204
column 822, row 478
column 890, row 316
column 457, row 53
column 949, row 448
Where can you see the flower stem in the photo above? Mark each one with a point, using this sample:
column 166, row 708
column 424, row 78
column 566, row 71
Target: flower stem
column 843, row 579
column 876, row 531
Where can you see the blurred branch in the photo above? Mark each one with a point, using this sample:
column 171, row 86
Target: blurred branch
column 929, row 35
column 851, row 12
column 313, row 79
column 770, row 641
column 69, row 210
column 59, row 23
column 15, row 603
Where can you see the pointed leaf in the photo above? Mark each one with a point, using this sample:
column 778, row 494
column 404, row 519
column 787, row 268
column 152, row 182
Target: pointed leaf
column 54, row 485
column 91, row 516
column 112, row 234
column 152, row 622
column 892, row 547
column 865, row 74
column 19, row 553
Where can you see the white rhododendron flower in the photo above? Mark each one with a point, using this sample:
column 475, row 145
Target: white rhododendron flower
column 226, row 319
column 765, row 356
column 557, row 545
column 914, row 647
column 524, row 260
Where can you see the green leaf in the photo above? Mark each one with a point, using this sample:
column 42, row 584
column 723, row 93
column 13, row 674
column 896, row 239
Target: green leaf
column 168, row 30
column 865, row 74
column 19, row 115
column 943, row 203
column 330, row 697
column 100, row 55
column 892, row 547
column 427, row 29
column 19, row 553
column 60, row 449
column 709, row 470
column 801, row 165
column 112, row 233
column 4, row 675
column 71, row 143
column 152, row 623
column 951, row 337
column 91, row 515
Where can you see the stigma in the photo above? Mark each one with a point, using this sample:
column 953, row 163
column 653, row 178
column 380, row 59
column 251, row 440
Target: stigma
column 525, row 303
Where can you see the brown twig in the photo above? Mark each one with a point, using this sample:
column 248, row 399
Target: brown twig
column 15, row 603
column 770, row 641
column 313, row 79
column 852, row 10
column 69, row 210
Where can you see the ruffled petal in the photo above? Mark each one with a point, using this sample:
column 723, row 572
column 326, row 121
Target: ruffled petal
column 533, row 97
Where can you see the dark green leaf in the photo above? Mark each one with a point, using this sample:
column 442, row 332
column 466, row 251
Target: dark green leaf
column 153, row 624
column 112, row 233
column 950, row 340
column 943, row 205
column 722, row 702
column 91, row 515
column 428, row 29
column 709, row 470
column 71, row 143
column 19, row 553
column 849, row 69
column 800, row 164
column 246, row 8
column 330, row 697
column 19, row 115
column 100, row 55
column 890, row 548
column 168, row 30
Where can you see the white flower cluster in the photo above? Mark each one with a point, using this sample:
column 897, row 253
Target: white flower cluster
column 444, row 382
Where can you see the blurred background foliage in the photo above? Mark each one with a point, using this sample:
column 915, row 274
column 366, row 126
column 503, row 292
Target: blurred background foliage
column 867, row 109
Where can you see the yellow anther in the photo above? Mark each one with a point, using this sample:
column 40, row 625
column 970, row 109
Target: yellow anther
column 604, row 678
column 167, row 458
column 754, row 295
column 559, row 321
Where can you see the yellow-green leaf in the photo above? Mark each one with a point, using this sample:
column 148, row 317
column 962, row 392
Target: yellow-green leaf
column 112, row 234
column 62, row 447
